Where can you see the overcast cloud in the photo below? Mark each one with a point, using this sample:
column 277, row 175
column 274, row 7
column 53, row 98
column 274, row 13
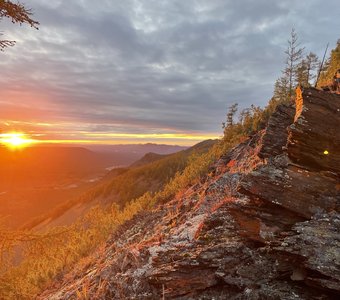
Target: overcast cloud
column 151, row 66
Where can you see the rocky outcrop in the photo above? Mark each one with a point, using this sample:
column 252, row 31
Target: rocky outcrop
column 317, row 268
column 314, row 137
column 275, row 139
column 255, row 229
column 300, row 177
column 295, row 188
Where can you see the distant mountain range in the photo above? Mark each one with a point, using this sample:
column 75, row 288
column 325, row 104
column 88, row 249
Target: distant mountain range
column 36, row 179
column 121, row 185
column 52, row 162
column 138, row 148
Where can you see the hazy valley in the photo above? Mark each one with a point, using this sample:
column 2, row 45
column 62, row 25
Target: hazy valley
column 34, row 181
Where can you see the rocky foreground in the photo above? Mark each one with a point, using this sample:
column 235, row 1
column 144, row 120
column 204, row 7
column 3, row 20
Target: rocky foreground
column 263, row 225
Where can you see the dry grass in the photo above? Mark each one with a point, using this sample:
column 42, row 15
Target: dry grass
column 220, row 203
column 54, row 254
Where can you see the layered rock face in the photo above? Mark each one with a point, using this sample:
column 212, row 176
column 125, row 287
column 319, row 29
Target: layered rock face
column 316, row 130
column 263, row 225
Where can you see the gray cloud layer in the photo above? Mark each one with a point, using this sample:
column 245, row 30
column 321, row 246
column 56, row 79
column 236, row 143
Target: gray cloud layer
column 153, row 65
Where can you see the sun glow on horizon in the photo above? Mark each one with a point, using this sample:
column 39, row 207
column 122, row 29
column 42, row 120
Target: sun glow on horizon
column 15, row 140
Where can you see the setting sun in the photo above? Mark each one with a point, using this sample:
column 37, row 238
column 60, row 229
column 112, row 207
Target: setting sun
column 15, row 140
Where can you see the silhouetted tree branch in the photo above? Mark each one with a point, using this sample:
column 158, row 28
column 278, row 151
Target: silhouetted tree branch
column 17, row 13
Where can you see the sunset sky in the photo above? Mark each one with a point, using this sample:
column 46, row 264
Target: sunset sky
column 137, row 71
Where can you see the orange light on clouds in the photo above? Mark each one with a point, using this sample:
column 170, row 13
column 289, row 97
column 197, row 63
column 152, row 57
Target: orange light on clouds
column 178, row 136
column 19, row 140
column 20, row 134
column 16, row 140
column 128, row 138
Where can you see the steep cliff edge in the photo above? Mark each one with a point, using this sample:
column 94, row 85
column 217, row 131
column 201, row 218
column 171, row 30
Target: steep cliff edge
column 263, row 225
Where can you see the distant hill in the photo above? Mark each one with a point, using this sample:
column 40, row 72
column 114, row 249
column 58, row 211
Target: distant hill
column 151, row 172
column 122, row 185
column 151, row 156
column 138, row 148
column 147, row 158
column 35, row 180
column 51, row 163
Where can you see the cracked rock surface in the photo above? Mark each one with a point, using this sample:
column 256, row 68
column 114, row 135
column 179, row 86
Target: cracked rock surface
column 265, row 226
